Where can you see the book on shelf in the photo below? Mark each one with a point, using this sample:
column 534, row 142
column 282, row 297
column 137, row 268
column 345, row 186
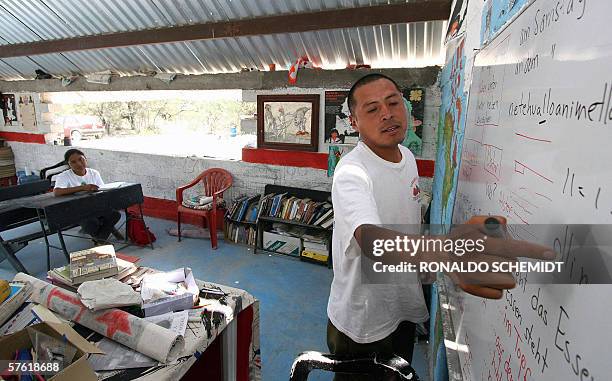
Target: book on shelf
column 235, row 209
column 321, row 210
column 292, row 208
column 93, row 264
column 312, row 208
column 262, row 205
column 244, row 209
column 317, row 256
column 328, row 222
column 276, row 204
column 318, row 247
column 243, row 234
column 251, row 215
column 324, row 217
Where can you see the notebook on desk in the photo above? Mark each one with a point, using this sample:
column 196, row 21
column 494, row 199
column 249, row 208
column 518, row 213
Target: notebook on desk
column 114, row 185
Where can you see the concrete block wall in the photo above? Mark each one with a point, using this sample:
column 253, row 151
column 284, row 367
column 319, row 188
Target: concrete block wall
column 161, row 175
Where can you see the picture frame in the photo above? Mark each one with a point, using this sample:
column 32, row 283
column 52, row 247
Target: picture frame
column 288, row 122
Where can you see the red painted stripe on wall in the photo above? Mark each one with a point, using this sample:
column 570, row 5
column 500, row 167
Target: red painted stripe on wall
column 317, row 160
column 22, row 137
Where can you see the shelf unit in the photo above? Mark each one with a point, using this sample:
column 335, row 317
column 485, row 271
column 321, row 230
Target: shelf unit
column 265, row 222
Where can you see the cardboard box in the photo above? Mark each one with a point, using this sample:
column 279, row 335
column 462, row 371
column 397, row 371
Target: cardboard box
column 282, row 244
column 78, row 370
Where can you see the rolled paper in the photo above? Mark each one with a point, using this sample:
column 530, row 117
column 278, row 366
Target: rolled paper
column 147, row 338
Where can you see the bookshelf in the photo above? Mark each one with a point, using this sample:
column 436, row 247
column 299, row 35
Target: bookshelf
column 249, row 220
column 316, row 199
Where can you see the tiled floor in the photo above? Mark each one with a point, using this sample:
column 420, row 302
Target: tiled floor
column 293, row 294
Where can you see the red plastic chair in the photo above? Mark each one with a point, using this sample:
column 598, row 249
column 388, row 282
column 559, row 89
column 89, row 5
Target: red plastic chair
column 215, row 181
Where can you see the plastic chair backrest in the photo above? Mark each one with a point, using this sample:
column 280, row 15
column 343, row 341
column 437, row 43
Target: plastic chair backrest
column 45, row 172
column 214, row 180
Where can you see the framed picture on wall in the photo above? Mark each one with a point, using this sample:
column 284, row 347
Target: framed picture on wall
column 288, row 122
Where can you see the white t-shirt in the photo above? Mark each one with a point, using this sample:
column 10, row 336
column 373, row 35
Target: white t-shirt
column 370, row 190
column 69, row 179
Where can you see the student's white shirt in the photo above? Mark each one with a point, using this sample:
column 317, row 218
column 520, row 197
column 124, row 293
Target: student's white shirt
column 69, row 179
column 370, row 190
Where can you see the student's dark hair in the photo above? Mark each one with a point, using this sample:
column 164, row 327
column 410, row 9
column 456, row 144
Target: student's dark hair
column 364, row 81
column 71, row 152
column 334, row 130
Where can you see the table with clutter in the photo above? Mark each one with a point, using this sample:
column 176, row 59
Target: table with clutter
column 215, row 334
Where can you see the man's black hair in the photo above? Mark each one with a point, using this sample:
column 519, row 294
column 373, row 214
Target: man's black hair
column 364, row 81
column 71, row 152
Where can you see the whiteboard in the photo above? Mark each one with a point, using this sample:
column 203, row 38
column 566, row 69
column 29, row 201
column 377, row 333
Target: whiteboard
column 537, row 150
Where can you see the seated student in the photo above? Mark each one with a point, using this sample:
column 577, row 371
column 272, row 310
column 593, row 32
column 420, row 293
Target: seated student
column 79, row 178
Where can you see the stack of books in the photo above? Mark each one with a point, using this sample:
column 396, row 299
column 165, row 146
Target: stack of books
column 315, row 247
column 61, row 276
column 93, row 264
column 297, row 209
column 243, row 234
column 244, row 209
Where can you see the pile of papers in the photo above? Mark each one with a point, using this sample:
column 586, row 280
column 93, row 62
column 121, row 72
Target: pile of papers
column 170, row 291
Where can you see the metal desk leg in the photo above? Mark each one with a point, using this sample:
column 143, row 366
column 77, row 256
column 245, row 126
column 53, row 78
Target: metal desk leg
column 44, row 231
column 229, row 350
column 7, row 252
column 61, row 239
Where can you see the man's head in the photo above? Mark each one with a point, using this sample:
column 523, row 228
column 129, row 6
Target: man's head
column 76, row 161
column 377, row 111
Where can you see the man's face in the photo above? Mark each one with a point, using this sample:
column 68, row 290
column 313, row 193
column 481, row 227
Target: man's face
column 77, row 163
column 379, row 114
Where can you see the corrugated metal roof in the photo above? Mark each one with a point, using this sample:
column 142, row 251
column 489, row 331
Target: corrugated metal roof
column 403, row 45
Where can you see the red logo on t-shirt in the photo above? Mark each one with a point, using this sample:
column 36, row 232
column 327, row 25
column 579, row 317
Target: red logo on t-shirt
column 416, row 191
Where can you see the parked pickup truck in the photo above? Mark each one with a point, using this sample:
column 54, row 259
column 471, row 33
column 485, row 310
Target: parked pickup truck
column 77, row 127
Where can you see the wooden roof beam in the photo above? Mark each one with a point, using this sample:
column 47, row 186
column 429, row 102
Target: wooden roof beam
column 287, row 23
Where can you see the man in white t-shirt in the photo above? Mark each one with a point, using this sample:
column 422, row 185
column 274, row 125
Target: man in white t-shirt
column 79, row 178
column 377, row 185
